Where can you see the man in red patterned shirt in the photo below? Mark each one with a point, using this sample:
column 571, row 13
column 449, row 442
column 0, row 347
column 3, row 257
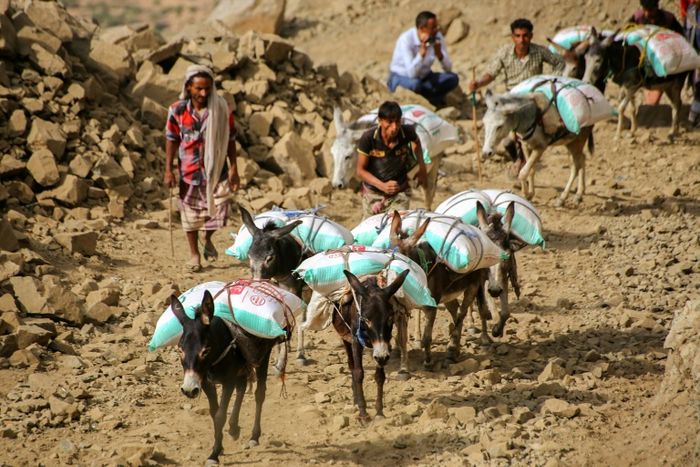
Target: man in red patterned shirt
column 200, row 130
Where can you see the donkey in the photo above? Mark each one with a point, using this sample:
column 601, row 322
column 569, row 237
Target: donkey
column 274, row 254
column 497, row 228
column 446, row 286
column 535, row 119
column 612, row 57
column 344, row 152
column 214, row 351
column 576, row 69
column 364, row 318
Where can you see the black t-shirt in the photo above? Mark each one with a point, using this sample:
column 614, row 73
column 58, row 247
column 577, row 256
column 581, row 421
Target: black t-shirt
column 389, row 163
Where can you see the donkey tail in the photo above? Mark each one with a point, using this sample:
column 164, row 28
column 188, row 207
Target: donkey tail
column 591, row 144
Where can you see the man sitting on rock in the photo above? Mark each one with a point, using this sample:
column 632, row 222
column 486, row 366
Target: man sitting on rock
column 386, row 153
column 414, row 55
column 200, row 130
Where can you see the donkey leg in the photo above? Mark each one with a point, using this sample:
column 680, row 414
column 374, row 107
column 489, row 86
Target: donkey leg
column 282, row 355
column 234, row 428
column 567, row 188
column 674, row 95
column 527, row 173
column 624, row 100
column 455, row 345
column 358, row 377
column 581, row 190
column 417, row 330
column 484, row 314
column 402, row 342
column 427, row 339
column 379, row 379
column 633, row 115
column 260, row 390
column 351, row 367
column 219, row 418
column 431, row 182
column 453, row 308
column 301, row 357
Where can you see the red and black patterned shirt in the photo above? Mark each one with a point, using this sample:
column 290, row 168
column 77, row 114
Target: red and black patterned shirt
column 187, row 127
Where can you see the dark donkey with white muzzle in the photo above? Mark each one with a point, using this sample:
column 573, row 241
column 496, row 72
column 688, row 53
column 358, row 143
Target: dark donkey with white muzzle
column 364, row 318
column 274, row 254
column 214, row 351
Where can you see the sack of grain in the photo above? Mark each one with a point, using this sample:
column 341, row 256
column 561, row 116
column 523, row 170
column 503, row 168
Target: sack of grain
column 526, row 225
column 259, row 307
column 463, row 206
column 318, row 233
column 323, row 272
column 666, row 52
column 367, row 231
column 579, row 104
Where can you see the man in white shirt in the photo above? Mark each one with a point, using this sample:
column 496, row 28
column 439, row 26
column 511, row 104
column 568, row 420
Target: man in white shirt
column 414, row 54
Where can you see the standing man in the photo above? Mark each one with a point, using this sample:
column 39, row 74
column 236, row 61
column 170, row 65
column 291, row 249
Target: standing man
column 520, row 60
column 386, row 153
column 517, row 62
column 200, row 130
column 414, row 55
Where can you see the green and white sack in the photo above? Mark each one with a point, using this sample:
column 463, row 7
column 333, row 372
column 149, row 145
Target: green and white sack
column 244, row 239
column 462, row 247
column 579, row 104
column 526, row 225
column 435, row 133
column 367, row 231
column 259, row 307
column 567, row 37
column 318, row 233
column 323, row 272
column 463, row 206
column 665, row 51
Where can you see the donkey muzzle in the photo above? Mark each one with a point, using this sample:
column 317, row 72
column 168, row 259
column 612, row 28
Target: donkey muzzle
column 191, row 385
column 380, row 352
column 495, row 291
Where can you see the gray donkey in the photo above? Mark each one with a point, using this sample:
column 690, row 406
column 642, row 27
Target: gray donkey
column 536, row 121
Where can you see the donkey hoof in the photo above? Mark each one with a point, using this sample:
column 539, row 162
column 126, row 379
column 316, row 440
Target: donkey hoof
column 379, row 417
column 253, row 443
column 578, row 199
column 211, row 462
column 234, row 431
column 302, row 360
column 559, row 203
column 364, row 419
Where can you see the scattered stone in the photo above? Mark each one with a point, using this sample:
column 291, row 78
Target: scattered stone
column 553, row 371
column 464, row 414
column 436, row 409
column 42, row 166
column 559, row 408
column 295, row 158
column 28, row 334
column 8, row 239
column 84, row 243
column 464, row 367
column 262, row 16
column 45, row 134
column 339, row 422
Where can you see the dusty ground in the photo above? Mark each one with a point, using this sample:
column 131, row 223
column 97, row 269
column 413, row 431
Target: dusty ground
column 600, row 298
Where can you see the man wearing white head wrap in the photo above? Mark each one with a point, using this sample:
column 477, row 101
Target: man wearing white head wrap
column 200, row 130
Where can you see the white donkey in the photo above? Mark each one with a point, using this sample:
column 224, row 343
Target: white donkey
column 435, row 136
column 536, row 121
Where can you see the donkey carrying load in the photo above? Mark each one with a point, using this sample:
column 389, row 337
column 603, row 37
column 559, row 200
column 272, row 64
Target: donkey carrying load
column 546, row 111
column 628, row 65
column 435, row 136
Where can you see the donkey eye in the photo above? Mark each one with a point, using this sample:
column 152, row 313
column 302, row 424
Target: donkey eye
column 347, row 158
column 204, row 352
column 269, row 258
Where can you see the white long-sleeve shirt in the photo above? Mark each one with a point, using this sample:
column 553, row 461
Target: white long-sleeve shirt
column 407, row 61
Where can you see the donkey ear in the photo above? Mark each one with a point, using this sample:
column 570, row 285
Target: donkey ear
column 508, row 220
column 609, row 40
column 418, row 234
column 581, row 48
column 338, row 120
column 488, row 98
column 206, row 311
column 395, row 230
column 286, row 230
column 481, row 216
column 248, row 221
column 392, row 288
column 354, row 282
column 178, row 310
column 560, row 48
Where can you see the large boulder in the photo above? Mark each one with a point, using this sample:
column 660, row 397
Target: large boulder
column 682, row 377
column 112, row 59
column 51, row 16
column 72, row 191
column 45, row 134
column 42, row 167
column 250, row 15
column 48, row 62
column 295, row 157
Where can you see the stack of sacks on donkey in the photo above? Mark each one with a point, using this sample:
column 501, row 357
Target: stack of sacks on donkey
column 225, row 332
column 511, row 222
column 276, row 242
column 455, row 256
column 547, row 111
column 349, row 292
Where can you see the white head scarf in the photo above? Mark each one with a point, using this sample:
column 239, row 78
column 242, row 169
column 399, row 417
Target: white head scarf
column 216, row 136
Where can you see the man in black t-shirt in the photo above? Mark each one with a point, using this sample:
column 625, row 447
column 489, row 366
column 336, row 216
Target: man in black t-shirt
column 386, row 153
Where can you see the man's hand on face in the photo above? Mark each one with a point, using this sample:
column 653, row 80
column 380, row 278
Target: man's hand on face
column 391, row 187
column 423, row 36
column 437, row 46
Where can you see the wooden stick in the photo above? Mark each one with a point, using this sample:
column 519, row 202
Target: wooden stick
column 476, row 129
column 170, row 221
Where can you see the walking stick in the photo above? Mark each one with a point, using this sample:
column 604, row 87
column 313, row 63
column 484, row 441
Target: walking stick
column 476, row 128
column 170, row 221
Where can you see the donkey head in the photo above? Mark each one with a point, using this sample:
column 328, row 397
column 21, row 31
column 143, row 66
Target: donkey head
column 500, row 118
column 195, row 343
column 595, row 56
column 374, row 320
column 498, row 230
column 573, row 68
column 405, row 243
column 266, row 255
column 343, row 150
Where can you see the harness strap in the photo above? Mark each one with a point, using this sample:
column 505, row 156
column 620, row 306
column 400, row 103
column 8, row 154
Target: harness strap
column 231, row 345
